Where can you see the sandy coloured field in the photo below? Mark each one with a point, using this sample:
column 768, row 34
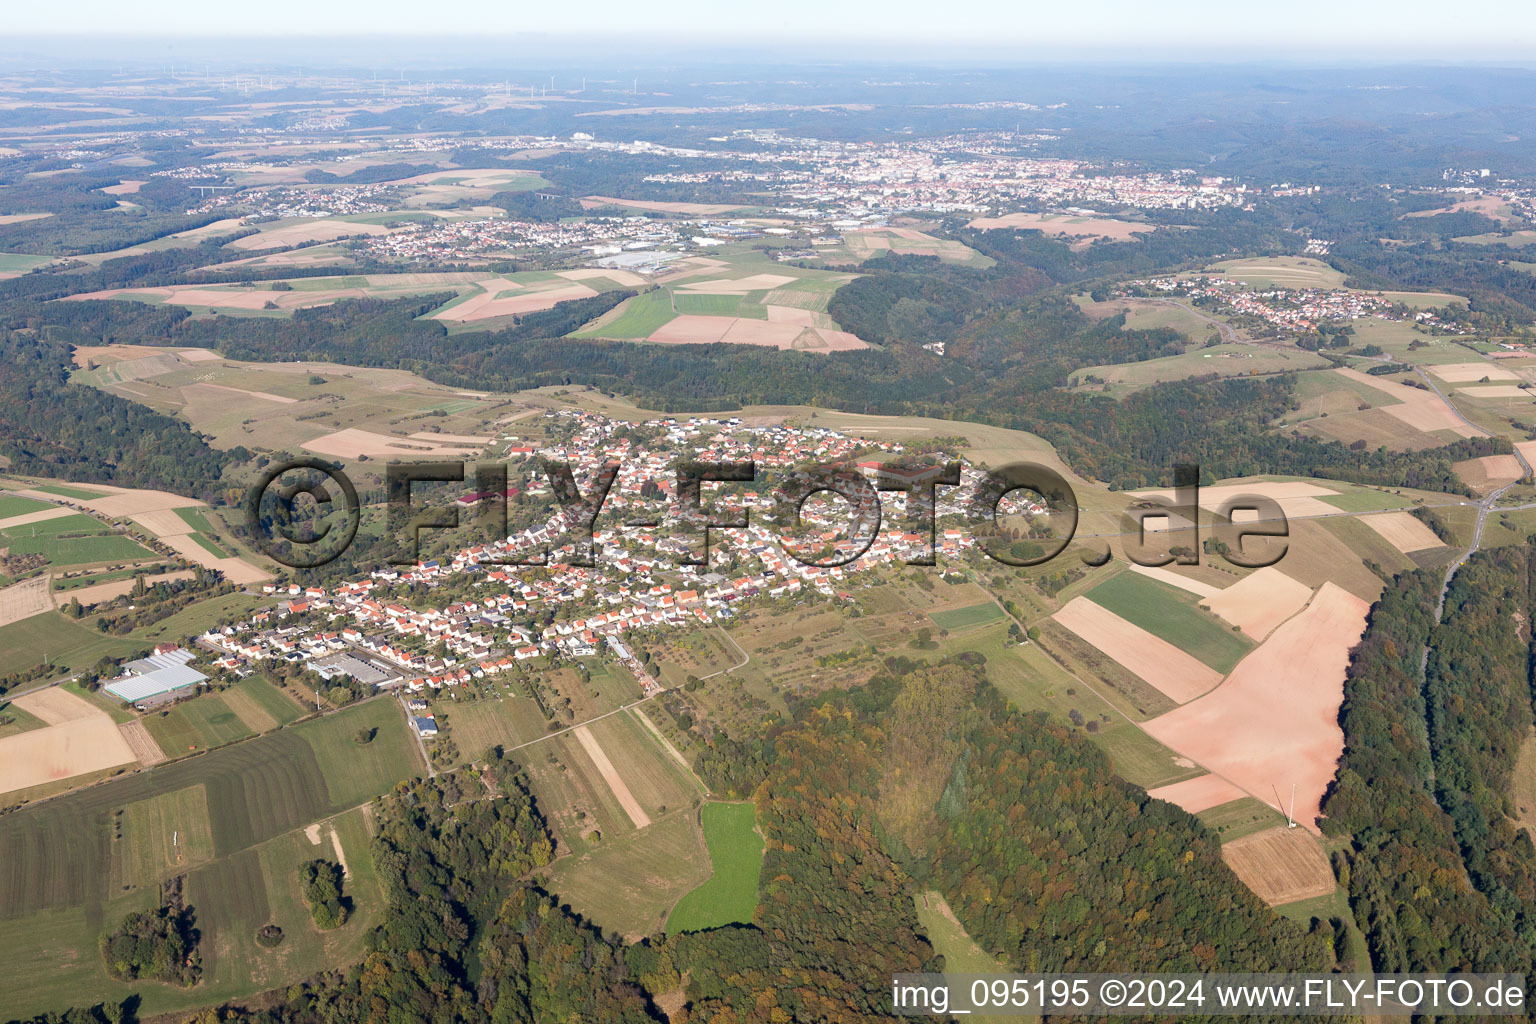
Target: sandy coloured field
column 1295, row 497
column 143, row 745
column 610, row 775
column 1420, row 409
column 1403, row 531
column 700, row 209
column 1496, row 391
column 1260, row 601
column 83, row 355
column 737, row 285
column 99, row 592
column 42, row 515
column 235, row 570
column 690, row 329
column 1175, row 674
column 1173, row 579
column 61, row 752
column 1489, row 472
column 1274, row 722
column 1281, row 865
column 354, row 441
column 126, row 187
column 504, row 298
column 308, row 231
column 24, row 600
column 1199, row 794
column 790, row 315
column 198, row 355
column 623, row 277
column 125, row 502
column 1460, row 373
column 55, row 752
column 163, row 522
column 56, row 705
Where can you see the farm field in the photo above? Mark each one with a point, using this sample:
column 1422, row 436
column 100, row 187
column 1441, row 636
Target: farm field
column 478, row 725
column 630, row 883
column 971, row 615
column 12, row 505
column 1065, row 224
column 65, row 643
column 741, row 299
column 75, row 539
column 1256, row 733
column 860, row 245
column 736, row 859
column 1173, row 615
column 1222, row 360
column 197, row 724
column 1281, row 865
column 247, row 832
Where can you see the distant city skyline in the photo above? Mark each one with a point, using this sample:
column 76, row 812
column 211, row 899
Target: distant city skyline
column 1373, row 30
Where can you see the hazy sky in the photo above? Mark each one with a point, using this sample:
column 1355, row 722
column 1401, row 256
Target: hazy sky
column 1224, row 30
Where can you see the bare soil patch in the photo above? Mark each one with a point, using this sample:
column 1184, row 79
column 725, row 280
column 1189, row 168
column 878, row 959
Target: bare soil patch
column 1175, row 674
column 1260, row 601
column 1281, row 865
column 1199, row 794
column 1403, row 531
column 1274, row 721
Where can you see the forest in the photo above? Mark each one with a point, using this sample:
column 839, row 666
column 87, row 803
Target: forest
column 1439, row 873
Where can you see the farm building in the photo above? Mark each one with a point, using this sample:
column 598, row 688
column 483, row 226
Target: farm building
column 158, row 678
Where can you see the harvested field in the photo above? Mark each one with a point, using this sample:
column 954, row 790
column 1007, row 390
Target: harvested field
column 77, row 747
column 1260, row 601
column 1490, row 472
column 790, row 315
column 1460, row 373
column 1065, row 224
column 24, row 600
column 1403, row 531
column 127, row 187
column 1175, row 674
column 1281, row 865
column 198, row 355
column 1198, row 794
column 121, row 501
column 504, row 298
column 305, row 231
column 623, row 277
column 1174, row 579
column 1496, row 391
column 1420, row 409
column 236, row 570
column 141, row 743
column 1295, row 497
column 21, row 218
column 352, row 442
column 605, row 768
column 1275, row 719
column 56, row 705
column 737, row 285
column 689, row 329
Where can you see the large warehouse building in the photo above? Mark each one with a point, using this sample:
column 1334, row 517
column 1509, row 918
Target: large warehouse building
column 156, row 679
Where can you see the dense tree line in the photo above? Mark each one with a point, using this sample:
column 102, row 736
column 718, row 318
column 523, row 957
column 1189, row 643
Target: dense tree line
column 49, row 427
column 1439, row 875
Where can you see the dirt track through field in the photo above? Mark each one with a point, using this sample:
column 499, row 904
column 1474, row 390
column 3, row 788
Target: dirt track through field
column 610, row 775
